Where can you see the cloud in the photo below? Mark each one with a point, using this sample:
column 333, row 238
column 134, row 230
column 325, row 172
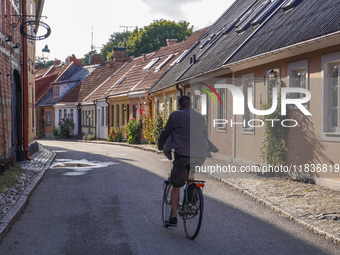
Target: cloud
column 171, row 8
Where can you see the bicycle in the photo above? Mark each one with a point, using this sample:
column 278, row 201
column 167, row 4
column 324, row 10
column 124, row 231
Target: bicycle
column 191, row 210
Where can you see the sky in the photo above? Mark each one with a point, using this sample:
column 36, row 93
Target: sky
column 72, row 21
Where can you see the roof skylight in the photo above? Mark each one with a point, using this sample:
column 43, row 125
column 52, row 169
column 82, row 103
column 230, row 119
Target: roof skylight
column 163, row 63
column 266, row 12
column 150, row 64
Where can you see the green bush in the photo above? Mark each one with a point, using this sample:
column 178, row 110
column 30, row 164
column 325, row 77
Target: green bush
column 64, row 129
column 134, row 130
column 115, row 135
column 158, row 127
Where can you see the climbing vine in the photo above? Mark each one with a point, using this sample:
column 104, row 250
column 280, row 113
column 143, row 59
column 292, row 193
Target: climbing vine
column 273, row 149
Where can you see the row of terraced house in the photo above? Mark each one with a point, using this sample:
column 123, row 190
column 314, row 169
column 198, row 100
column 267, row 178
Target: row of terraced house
column 298, row 40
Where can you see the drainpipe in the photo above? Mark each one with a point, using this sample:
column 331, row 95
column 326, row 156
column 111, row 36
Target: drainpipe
column 180, row 90
column 25, row 89
column 233, row 136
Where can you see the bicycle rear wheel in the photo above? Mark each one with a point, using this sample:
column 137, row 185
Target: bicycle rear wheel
column 166, row 203
column 193, row 212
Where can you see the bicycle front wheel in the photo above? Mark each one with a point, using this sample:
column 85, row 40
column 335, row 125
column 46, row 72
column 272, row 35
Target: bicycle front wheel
column 193, row 212
column 166, row 203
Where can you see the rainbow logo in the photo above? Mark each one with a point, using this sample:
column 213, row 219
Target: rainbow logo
column 208, row 92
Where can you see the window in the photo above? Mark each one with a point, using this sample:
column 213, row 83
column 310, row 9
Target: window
column 71, row 115
column 273, row 79
column 247, row 82
column 179, row 59
column 264, row 14
column 331, row 96
column 297, row 77
column 56, row 91
column 163, row 63
column 92, row 118
column 118, row 116
column 289, row 5
column 86, row 118
column 112, row 115
column 333, row 85
column 106, row 115
column 127, row 112
column 48, row 119
column 150, row 64
column 241, row 27
column 60, row 115
column 222, row 109
column 157, row 106
column 65, row 114
column 123, row 115
column 103, row 116
column 134, row 111
column 170, row 105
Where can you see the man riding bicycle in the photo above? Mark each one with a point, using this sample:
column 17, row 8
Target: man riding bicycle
column 186, row 133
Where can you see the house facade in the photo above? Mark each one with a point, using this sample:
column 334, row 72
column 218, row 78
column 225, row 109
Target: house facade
column 52, row 86
column 17, row 57
column 248, row 43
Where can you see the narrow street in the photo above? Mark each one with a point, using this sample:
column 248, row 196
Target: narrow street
column 108, row 201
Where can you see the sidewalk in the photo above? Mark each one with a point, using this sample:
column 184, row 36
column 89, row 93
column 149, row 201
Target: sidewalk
column 13, row 200
column 314, row 207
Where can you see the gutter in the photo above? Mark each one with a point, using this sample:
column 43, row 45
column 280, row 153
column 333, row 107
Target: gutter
column 25, row 90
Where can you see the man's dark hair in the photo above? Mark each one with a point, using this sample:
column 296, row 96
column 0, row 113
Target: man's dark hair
column 184, row 101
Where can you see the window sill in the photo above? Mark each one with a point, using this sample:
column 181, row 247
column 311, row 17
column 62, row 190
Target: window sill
column 248, row 131
column 331, row 136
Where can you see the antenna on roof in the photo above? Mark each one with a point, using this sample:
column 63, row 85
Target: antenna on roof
column 127, row 27
column 92, row 45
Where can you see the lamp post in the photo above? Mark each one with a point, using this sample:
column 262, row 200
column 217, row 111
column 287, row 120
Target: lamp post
column 45, row 53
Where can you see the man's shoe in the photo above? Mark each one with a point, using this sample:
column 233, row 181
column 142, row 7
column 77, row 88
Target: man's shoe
column 171, row 221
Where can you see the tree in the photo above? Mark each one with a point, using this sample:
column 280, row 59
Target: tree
column 117, row 39
column 86, row 61
column 152, row 37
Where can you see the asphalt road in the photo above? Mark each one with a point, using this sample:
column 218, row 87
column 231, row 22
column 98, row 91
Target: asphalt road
column 114, row 207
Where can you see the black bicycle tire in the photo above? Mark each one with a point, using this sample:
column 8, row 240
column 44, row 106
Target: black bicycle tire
column 201, row 207
column 165, row 203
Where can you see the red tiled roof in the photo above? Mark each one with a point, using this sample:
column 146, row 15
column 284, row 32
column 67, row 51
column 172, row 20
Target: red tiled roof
column 138, row 79
column 93, row 80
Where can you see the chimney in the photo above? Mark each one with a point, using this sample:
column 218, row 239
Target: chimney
column 170, row 42
column 119, row 52
column 96, row 59
column 144, row 57
column 56, row 62
column 73, row 59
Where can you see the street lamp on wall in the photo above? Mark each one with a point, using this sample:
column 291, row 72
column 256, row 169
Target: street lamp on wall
column 45, row 52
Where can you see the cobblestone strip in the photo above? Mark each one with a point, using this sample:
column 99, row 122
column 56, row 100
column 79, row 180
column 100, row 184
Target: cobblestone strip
column 14, row 199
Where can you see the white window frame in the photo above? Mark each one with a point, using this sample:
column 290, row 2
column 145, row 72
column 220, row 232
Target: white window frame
column 248, row 79
column 293, row 68
column 150, row 64
column 328, row 61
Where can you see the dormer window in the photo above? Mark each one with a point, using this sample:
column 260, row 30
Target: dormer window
column 56, row 92
column 151, row 63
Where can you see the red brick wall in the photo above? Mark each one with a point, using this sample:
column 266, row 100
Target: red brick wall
column 9, row 61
